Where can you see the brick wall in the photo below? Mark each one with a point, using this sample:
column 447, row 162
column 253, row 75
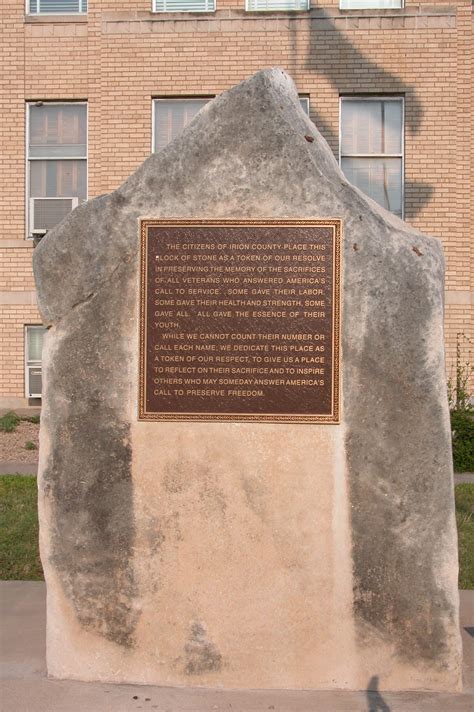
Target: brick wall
column 120, row 60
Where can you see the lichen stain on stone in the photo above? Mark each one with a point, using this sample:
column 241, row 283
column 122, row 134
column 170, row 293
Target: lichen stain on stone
column 212, row 499
column 88, row 480
column 155, row 535
column 177, row 477
column 201, row 654
column 255, row 493
column 398, row 460
column 183, row 474
column 93, row 536
column 119, row 199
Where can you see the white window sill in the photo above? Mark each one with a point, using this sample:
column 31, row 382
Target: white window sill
column 50, row 17
column 277, row 12
column 158, row 13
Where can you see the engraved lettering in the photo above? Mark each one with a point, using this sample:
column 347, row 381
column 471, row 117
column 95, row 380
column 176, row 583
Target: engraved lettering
column 240, row 320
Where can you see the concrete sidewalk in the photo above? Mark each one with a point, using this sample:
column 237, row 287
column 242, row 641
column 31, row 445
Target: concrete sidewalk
column 27, row 689
column 461, row 477
column 18, row 468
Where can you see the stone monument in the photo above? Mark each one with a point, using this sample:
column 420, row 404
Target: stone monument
column 245, row 470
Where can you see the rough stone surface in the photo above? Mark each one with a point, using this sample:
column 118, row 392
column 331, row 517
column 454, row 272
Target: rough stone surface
column 246, row 554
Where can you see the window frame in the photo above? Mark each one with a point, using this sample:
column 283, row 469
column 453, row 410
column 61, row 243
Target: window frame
column 35, row 102
column 154, row 99
column 371, row 5
column 306, row 99
column 162, row 12
column 208, row 97
column 294, row 9
column 28, row 4
column 377, row 97
column 32, row 363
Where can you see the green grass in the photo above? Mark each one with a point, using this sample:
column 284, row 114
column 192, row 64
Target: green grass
column 464, row 494
column 29, row 445
column 19, row 554
column 9, row 422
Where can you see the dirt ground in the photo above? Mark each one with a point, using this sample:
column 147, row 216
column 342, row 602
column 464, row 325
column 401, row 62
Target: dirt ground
column 13, row 445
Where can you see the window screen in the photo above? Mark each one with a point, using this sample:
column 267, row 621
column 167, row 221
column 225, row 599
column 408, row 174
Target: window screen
column 276, row 5
column 184, row 5
column 56, row 7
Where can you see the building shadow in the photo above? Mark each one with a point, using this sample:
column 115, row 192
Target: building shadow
column 375, row 701
column 330, row 54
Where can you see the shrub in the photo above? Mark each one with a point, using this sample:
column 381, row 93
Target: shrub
column 462, row 428
column 9, row 422
column 459, row 397
column 32, row 419
column 462, row 412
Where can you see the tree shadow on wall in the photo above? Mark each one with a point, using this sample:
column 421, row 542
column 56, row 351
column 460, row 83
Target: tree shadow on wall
column 331, row 55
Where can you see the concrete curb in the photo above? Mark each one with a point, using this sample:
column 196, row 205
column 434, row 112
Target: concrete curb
column 461, row 477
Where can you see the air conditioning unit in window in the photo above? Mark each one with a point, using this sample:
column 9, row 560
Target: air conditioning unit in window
column 34, row 382
column 46, row 213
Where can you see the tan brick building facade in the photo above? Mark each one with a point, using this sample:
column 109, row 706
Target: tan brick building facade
column 119, row 61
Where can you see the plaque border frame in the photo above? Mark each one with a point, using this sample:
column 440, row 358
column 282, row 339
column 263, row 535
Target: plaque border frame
column 331, row 419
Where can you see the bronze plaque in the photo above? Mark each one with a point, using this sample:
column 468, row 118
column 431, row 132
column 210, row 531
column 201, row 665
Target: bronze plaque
column 240, row 320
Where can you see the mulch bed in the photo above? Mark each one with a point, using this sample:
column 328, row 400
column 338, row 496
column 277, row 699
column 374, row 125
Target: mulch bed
column 13, row 445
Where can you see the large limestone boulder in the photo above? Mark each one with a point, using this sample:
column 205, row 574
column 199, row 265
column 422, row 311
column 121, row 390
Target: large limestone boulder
column 247, row 554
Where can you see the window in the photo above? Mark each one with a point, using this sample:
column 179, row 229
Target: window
column 276, row 5
column 171, row 116
column 57, row 163
column 33, row 349
column 372, row 148
column 304, row 101
column 370, row 4
column 56, row 7
column 184, row 5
